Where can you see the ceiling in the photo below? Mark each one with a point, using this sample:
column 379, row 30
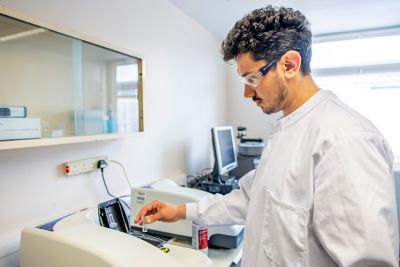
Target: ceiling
column 326, row 16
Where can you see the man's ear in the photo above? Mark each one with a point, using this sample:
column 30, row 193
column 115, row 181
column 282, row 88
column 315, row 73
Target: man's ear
column 292, row 63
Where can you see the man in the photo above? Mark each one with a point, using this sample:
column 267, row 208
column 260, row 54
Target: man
column 323, row 194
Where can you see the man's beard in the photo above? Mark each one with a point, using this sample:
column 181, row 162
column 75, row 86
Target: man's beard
column 277, row 103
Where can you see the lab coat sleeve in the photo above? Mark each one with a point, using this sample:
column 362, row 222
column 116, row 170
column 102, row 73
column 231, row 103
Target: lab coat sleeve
column 354, row 214
column 223, row 209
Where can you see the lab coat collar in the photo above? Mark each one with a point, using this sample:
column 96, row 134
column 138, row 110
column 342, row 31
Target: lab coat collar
column 303, row 110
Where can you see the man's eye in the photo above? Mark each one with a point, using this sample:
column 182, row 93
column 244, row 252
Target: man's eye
column 251, row 79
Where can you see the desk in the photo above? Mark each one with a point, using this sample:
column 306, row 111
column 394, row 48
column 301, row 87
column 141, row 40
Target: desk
column 219, row 256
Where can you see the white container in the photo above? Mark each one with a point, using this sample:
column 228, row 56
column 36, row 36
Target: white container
column 19, row 128
column 200, row 237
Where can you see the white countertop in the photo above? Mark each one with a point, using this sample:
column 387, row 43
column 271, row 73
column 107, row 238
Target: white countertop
column 220, row 257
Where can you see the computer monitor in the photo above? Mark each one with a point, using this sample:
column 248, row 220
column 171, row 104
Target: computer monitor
column 224, row 150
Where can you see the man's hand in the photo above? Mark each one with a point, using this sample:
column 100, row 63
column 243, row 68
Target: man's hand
column 160, row 211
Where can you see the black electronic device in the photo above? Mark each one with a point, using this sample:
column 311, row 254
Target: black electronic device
column 249, row 153
column 112, row 215
column 12, row 111
column 225, row 160
column 154, row 239
column 220, row 187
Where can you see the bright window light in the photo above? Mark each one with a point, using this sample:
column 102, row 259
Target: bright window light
column 356, row 52
column 373, row 91
column 127, row 73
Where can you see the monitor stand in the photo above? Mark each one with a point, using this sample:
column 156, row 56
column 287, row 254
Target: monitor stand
column 219, row 183
column 221, row 188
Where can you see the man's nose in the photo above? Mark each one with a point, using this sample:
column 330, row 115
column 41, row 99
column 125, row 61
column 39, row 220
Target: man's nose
column 248, row 91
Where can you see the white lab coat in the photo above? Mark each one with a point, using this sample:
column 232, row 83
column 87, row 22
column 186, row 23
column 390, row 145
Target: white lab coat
column 323, row 194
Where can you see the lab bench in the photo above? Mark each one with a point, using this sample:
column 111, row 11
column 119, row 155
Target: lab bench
column 221, row 257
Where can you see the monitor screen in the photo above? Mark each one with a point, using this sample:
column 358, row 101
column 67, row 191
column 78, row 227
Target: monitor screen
column 224, row 149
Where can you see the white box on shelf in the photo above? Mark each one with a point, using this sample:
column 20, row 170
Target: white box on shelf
column 19, row 128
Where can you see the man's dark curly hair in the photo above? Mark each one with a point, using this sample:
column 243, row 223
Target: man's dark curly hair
column 268, row 33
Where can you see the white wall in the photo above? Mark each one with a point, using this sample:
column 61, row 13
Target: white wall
column 184, row 96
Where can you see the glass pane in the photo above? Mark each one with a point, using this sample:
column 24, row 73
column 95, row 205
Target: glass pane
column 356, row 52
column 36, row 71
column 104, row 86
column 74, row 87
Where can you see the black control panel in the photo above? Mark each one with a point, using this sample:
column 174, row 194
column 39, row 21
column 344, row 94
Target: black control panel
column 215, row 185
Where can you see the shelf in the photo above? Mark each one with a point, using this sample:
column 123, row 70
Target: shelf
column 4, row 145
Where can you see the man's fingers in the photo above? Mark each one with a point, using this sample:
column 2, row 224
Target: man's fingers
column 141, row 214
column 156, row 211
column 150, row 209
column 154, row 218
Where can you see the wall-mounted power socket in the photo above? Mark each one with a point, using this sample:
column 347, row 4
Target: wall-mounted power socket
column 81, row 166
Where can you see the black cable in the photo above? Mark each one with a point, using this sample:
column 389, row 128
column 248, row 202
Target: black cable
column 219, row 180
column 209, row 171
column 205, row 174
column 105, row 184
column 201, row 179
column 111, row 195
